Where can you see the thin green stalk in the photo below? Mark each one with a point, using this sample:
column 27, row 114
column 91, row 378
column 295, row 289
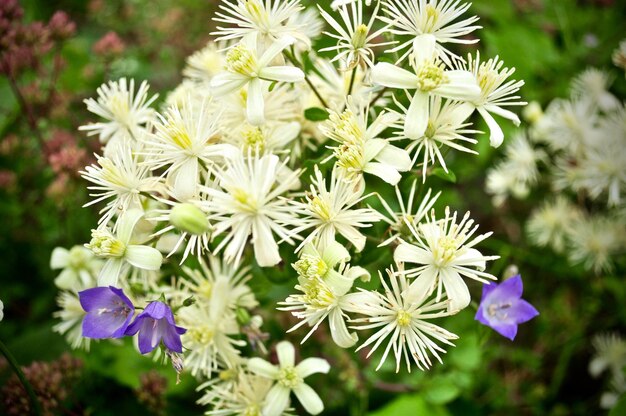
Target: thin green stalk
column 290, row 56
column 352, row 77
column 36, row 407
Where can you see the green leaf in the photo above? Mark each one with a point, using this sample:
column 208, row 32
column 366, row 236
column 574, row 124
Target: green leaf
column 620, row 407
column 410, row 405
column 446, row 176
column 441, row 389
column 316, row 114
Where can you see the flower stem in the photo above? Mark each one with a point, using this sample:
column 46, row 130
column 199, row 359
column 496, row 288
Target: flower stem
column 352, row 77
column 291, row 57
column 380, row 94
column 36, row 407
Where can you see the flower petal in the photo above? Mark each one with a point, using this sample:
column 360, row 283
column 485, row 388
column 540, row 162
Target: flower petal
column 144, row 257
column 255, row 105
column 276, row 401
column 286, row 354
column 274, row 49
column 282, row 74
column 59, row 258
column 456, row 290
column 312, row 365
column 496, row 136
column 185, row 179
column 339, row 333
column 110, row 272
column 226, row 82
column 265, row 247
column 126, row 224
column 416, row 120
column 262, row 368
column 385, row 172
column 309, row 399
column 391, row 76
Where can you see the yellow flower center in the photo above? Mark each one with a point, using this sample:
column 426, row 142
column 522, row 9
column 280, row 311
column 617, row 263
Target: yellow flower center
column 112, row 173
column 104, row 244
column 317, row 294
column 288, row 377
column 253, row 138
column 311, row 266
column 320, row 208
column 430, row 76
column 245, row 200
column 403, row 318
column 447, row 249
column 201, row 334
column 241, row 60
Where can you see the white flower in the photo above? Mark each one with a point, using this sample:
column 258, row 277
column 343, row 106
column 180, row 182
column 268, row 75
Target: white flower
column 120, row 179
column 120, row 252
column 246, row 396
column 403, row 320
column 80, row 267
column 446, row 126
column 593, row 241
column 246, row 66
column 248, row 203
column 289, row 377
column 433, row 17
column 281, row 105
column 210, row 338
column 360, row 150
column 220, row 284
column 1, row 310
column 429, row 77
column 262, row 20
column 308, row 22
column 332, row 210
column 187, row 217
column 125, row 111
column 356, row 40
column 205, row 63
column 397, row 220
column 594, row 84
column 495, row 93
column 603, row 171
column 548, row 225
column 334, row 84
column 71, row 316
column 324, row 291
column 568, row 125
column 185, row 142
column 267, row 138
column 610, row 354
column 444, row 252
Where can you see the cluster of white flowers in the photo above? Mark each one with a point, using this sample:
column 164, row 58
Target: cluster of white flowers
column 575, row 149
column 268, row 153
column 609, row 357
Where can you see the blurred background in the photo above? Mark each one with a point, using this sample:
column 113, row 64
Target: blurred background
column 68, row 48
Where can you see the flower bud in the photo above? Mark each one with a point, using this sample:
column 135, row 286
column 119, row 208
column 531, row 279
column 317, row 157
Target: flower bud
column 189, row 218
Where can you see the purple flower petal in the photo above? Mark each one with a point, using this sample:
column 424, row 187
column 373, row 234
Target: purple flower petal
column 502, row 308
column 523, row 311
column 506, row 330
column 488, row 288
column 109, row 312
column 154, row 324
column 511, row 288
column 171, row 339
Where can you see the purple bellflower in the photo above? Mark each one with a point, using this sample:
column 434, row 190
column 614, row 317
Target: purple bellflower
column 109, row 312
column 502, row 307
column 154, row 324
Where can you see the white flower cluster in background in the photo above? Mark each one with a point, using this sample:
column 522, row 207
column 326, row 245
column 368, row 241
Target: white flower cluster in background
column 269, row 153
column 574, row 150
